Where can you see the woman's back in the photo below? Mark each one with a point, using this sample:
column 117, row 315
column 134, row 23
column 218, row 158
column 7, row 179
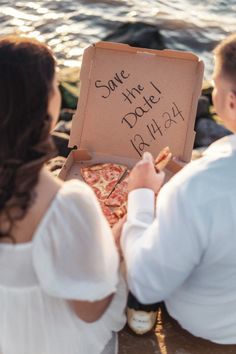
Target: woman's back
column 37, row 278
column 58, row 260
column 44, row 192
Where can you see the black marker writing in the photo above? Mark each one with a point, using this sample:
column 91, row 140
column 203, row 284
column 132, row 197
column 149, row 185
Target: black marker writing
column 139, row 144
column 131, row 94
column 112, row 84
column 147, row 104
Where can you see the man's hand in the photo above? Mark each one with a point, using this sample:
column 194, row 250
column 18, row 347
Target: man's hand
column 144, row 175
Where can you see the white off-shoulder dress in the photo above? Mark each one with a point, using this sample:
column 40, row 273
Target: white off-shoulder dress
column 72, row 256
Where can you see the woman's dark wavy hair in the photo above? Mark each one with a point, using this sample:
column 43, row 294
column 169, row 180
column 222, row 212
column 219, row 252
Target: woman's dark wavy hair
column 27, row 69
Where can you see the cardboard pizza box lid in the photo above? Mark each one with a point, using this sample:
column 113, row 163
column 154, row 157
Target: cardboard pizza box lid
column 134, row 100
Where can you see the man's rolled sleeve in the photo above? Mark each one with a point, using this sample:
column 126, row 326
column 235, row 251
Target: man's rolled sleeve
column 141, row 204
column 141, row 213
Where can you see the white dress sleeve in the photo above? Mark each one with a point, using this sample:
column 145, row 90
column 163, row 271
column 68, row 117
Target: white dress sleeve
column 74, row 254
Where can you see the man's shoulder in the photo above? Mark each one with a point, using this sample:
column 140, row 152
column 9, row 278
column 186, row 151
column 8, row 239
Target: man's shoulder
column 199, row 181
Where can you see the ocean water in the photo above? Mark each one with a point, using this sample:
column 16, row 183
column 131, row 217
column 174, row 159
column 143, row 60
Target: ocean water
column 68, row 26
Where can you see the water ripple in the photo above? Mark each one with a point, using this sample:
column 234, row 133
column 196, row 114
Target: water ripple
column 70, row 25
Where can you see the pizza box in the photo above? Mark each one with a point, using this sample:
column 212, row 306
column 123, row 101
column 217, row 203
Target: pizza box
column 133, row 100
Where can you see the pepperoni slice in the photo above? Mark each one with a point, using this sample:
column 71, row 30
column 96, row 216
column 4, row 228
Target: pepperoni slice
column 89, row 176
column 119, row 195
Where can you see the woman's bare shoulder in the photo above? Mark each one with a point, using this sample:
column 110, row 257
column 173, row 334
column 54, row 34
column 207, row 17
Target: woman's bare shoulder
column 43, row 195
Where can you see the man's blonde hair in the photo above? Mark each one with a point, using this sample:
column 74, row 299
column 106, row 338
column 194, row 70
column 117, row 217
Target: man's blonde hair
column 225, row 52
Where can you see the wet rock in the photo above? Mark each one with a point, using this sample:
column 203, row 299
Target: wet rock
column 66, row 114
column 206, row 127
column 208, row 131
column 61, row 141
column 203, row 107
column 207, row 89
column 137, row 34
column 56, row 164
column 69, row 94
column 69, row 87
column 63, row 127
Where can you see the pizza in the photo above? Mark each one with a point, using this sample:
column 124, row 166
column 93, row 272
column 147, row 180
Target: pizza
column 103, row 178
column 121, row 211
column 110, row 215
column 119, row 195
column 109, row 182
column 91, row 174
column 163, row 158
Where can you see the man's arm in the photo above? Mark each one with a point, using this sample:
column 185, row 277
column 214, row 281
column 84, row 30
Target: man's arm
column 160, row 251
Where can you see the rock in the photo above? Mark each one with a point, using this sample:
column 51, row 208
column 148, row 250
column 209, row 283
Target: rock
column 203, row 108
column 207, row 89
column 69, row 86
column 63, row 127
column 56, row 164
column 137, row 34
column 61, row 141
column 197, row 153
column 208, row 131
column 69, row 94
column 66, row 114
column 207, row 128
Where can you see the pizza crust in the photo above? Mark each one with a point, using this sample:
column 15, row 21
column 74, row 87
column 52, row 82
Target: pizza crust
column 163, row 158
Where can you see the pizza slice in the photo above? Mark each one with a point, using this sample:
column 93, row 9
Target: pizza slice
column 103, row 178
column 121, row 211
column 111, row 217
column 163, row 158
column 119, row 195
column 91, row 174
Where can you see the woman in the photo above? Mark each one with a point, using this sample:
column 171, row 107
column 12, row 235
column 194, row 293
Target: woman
column 60, row 289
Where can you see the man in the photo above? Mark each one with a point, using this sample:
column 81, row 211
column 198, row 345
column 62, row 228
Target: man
column 184, row 252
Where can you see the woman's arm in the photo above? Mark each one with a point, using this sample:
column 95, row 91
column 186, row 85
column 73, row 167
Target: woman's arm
column 90, row 311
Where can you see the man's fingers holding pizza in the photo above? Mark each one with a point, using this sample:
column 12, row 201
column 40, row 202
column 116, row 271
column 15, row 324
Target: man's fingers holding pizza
column 147, row 157
column 163, row 159
column 144, row 175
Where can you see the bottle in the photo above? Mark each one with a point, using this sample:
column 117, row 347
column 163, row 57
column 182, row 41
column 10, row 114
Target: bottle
column 141, row 318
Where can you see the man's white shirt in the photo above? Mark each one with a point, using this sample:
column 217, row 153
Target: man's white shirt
column 183, row 251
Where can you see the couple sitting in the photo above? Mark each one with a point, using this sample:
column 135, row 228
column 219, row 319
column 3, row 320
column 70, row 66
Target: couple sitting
column 60, row 286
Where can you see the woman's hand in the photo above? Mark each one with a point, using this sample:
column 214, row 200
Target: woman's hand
column 90, row 311
column 144, row 175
